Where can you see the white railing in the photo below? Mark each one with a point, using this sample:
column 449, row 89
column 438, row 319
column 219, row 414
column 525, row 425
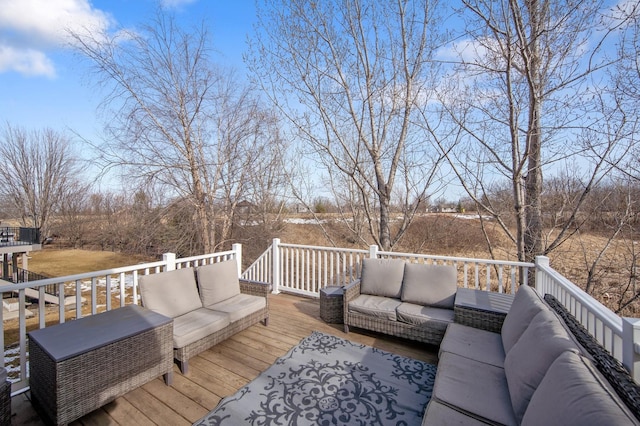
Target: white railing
column 89, row 293
column 619, row 336
column 306, row 269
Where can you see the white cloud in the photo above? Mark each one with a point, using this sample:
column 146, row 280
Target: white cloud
column 25, row 61
column 30, row 28
column 175, row 3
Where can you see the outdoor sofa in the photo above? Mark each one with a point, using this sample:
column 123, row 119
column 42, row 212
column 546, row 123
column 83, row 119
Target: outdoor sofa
column 543, row 368
column 208, row 304
column 409, row 300
column 540, row 367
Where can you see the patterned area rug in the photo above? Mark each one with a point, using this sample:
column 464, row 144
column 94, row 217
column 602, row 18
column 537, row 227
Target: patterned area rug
column 327, row 380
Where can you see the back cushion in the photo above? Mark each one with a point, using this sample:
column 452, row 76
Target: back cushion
column 382, row 277
column 429, row 285
column 171, row 293
column 526, row 305
column 529, row 359
column 573, row 392
column 218, row 281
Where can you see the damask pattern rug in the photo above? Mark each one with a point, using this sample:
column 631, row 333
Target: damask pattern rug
column 326, row 380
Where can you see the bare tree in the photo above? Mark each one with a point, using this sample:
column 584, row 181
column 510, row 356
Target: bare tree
column 38, row 169
column 522, row 99
column 349, row 75
column 177, row 121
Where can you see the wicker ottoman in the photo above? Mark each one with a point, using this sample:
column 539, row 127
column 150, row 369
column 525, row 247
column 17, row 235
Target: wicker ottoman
column 78, row 366
column 331, row 308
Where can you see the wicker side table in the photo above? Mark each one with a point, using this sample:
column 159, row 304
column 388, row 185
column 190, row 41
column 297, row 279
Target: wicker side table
column 331, row 308
column 481, row 309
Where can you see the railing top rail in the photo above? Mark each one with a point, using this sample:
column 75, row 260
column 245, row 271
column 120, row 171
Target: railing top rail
column 82, row 276
column 459, row 259
column 338, row 249
column 205, row 256
column 608, row 317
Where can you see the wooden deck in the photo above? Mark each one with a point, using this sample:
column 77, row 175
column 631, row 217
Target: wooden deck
column 224, row 369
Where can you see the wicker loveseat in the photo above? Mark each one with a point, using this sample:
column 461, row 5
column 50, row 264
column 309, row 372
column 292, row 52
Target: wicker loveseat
column 409, row 300
column 205, row 311
column 541, row 369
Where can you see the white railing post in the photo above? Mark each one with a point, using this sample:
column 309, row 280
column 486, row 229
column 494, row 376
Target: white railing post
column 539, row 275
column 631, row 346
column 373, row 251
column 237, row 248
column 275, row 265
column 169, row 260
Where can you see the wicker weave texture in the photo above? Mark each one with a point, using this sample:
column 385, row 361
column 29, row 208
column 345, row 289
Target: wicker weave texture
column 5, row 403
column 479, row 318
column 69, row 389
column 331, row 307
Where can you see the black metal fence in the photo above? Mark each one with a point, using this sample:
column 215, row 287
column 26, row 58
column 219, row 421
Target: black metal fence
column 17, row 236
column 23, row 276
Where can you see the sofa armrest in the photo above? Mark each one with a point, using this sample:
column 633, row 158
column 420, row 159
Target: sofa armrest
column 256, row 288
column 351, row 291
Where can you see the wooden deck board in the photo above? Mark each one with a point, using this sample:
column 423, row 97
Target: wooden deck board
column 224, row 369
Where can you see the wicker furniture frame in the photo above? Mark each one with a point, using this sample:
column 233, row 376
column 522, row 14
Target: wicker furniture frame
column 5, row 403
column 419, row 333
column 183, row 354
column 481, row 309
column 67, row 385
column 331, row 305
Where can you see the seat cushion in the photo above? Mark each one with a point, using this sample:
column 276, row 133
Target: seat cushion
column 436, row 318
column 375, row 306
column 429, row 285
column 382, row 277
column 479, row 345
column 526, row 305
column 218, row 281
column 573, row 392
column 171, row 293
column 195, row 325
column 240, row 306
column 475, row 388
column 443, row 415
column 529, row 359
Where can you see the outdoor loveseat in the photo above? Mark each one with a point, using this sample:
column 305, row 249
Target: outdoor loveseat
column 409, row 300
column 208, row 304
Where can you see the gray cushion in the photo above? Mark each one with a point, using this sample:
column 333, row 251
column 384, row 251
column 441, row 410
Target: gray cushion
column 429, row 285
column 240, row 306
column 375, row 306
column 382, row 277
column 573, row 392
column 171, row 293
column 475, row 388
column 480, row 345
column 435, row 318
column 529, row 359
column 443, row 415
column 526, row 305
column 196, row 325
column 218, row 281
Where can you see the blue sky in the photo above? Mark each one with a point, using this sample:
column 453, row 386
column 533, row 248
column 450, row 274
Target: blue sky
column 42, row 84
